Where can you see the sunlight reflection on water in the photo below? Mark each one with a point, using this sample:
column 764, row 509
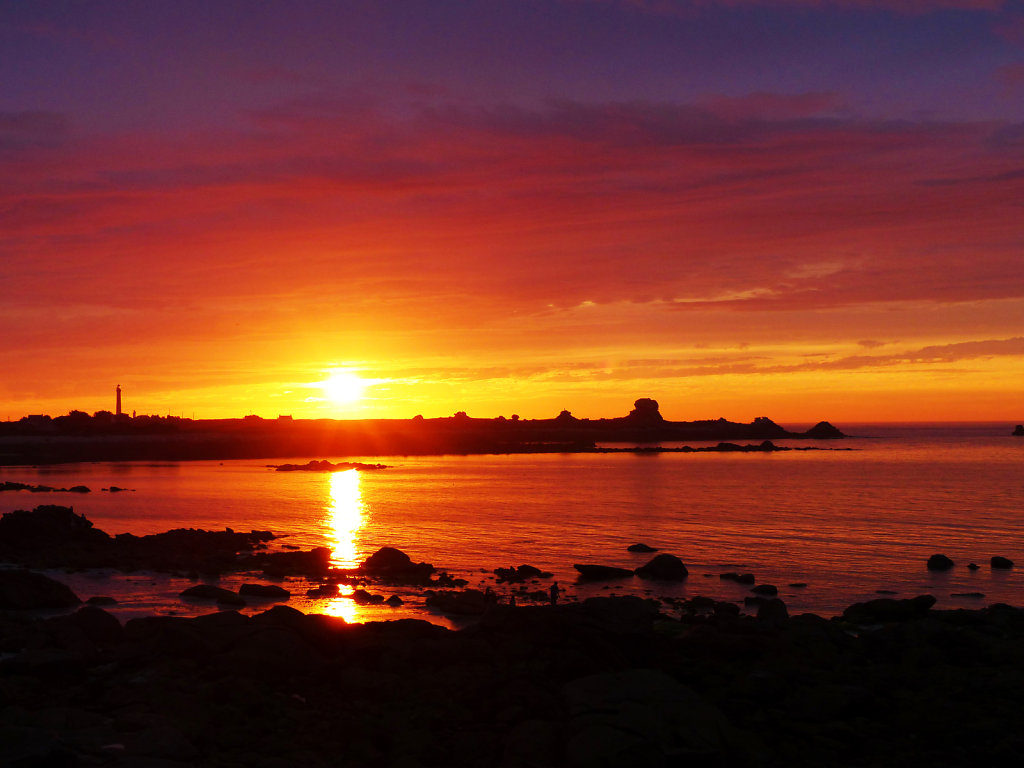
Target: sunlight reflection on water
column 345, row 516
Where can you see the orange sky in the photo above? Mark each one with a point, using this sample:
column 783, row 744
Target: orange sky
column 216, row 216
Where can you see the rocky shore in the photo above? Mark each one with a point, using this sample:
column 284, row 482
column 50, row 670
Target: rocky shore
column 604, row 682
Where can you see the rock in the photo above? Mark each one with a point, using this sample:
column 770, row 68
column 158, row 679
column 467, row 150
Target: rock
column 642, row 717
column 1018, row 431
column 24, row 590
column 1001, row 563
column 665, row 567
column 888, row 609
column 98, row 625
column 469, row 602
column 772, row 611
column 939, row 563
column 396, row 566
column 602, row 572
column 269, row 591
column 519, row 574
column 724, row 609
column 362, row 597
column 973, row 566
column 46, row 526
column 765, row 589
column 798, row 584
column 641, row 548
column 745, row 578
column 101, row 600
column 210, row 592
column 823, row 430
column 394, row 601
column 314, row 562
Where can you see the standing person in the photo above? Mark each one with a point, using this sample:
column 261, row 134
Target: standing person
column 554, row 592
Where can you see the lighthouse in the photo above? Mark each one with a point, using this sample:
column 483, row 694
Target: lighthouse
column 117, row 392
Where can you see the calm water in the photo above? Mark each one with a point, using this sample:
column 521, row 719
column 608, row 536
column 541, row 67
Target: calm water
column 846, row 522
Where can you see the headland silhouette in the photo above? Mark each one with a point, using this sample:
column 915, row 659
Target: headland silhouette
column 107, row 436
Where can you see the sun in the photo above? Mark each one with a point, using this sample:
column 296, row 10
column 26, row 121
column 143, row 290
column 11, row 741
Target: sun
column 343, row 387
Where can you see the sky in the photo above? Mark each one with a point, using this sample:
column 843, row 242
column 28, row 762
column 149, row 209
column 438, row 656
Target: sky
column 802, row 209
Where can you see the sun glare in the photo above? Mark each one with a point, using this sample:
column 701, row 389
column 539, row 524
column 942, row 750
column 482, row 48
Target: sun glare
column 343, row 387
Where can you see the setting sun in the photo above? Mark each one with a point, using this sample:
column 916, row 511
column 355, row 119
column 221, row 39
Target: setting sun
column 343, row 387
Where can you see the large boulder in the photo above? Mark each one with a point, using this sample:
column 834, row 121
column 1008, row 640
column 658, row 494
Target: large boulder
column 394, row 565
column 939, row 563
column 886, row 609
column 644, row 548
column 590, row 572
column 264, row 591
column 1001, row 563
column 665, row 567
column 24, row 590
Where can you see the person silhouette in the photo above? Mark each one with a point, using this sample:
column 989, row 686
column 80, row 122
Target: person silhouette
column 554, row 592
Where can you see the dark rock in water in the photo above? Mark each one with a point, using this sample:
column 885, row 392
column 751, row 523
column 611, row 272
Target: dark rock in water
column 887, row 609
column 270, row 591
column 745, row 578
column 78, row 489
column 210, row 592
column 1001, row 563
column 24, row 590
column 798, row 584
column 665, row 567
column 314, row 562
column 394, row 565
column 101, row 600
column 602, row 572
column 394, row 601
column 519, row 574
column 730, row 576
column 469, row 602
column 967, row 594
column 1018, row 431
column 823, row 431
column 362, row 597
column 641, row 548
column 973, row 566
column 939, row 563
column 772, row 611
column 45, row 526
column 765, row 589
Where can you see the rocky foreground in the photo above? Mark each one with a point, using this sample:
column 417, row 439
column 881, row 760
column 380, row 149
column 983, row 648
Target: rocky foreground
column 605, row 682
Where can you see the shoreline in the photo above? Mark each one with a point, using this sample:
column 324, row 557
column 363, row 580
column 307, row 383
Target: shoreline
column 596, row 683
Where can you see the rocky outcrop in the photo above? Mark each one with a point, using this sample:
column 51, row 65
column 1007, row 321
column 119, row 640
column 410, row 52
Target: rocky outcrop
column 25, row 590
column 939, row 563
column 326, row 466
column 643, row 548
column 888, row 609
column 665, row 567
column 1001, row 563
column 602, row 572
column 517, row 574
column 394, row 565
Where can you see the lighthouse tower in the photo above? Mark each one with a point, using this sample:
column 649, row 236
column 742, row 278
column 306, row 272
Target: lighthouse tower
column 117, row 392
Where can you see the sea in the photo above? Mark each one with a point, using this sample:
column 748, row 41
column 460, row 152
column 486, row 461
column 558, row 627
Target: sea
column 850, row 520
